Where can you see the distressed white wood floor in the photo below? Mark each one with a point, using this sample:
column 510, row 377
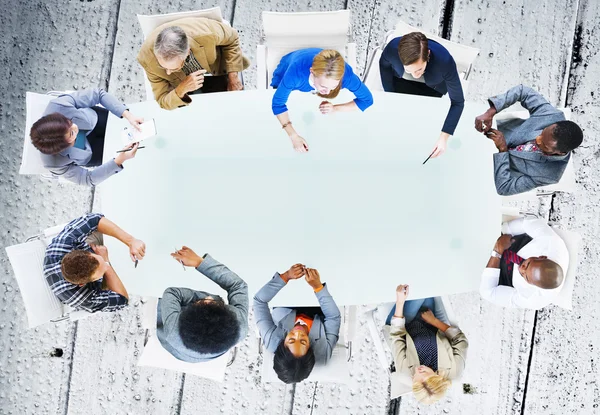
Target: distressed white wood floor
column 520, row 362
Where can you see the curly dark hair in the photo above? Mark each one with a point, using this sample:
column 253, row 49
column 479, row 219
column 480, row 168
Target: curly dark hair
column 292, row 369
column 78, row 266
column 208, row 327
column 568, row 136
column 48, row 134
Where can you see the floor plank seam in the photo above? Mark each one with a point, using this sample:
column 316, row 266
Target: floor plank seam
column 523, row 401
column 447, row 18
column 73, row 341
column 180, row 396
column 369, row 35
column 576, row 58
column 112, row 50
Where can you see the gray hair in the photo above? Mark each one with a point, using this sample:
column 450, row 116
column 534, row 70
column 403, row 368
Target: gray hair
column 171, row 42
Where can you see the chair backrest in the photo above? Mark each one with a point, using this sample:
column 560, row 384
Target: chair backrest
column 336, row 370
column 27, row 261
column 464, row 56
column 150, row 22
column 31, row 161
column 287, row 32
column 573, row 242
column 154, row 355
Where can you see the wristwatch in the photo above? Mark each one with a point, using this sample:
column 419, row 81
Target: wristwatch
column 496, row 254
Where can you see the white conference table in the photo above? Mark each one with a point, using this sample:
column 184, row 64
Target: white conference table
column 221, row 177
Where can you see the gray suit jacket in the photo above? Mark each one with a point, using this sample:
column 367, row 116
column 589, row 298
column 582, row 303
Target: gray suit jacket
column 174, row 300
column 76, row 106
column 520, row 171
column 273, row 328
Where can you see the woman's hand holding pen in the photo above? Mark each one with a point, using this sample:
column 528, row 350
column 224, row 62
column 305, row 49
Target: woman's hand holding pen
column 299, row 143
column 440, row 145
column 126, row 155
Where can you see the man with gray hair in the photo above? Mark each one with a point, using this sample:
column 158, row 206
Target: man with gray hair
column 178, row 57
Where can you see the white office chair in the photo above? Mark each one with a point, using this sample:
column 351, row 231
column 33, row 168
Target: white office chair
column 27, row 261
column 337, row 369
column 567, row 181
column 154, row 355
column 31, row 161
column 150, row 22
column 572, row 241
column 401, row 383
column 286, row 32
column 464, row 56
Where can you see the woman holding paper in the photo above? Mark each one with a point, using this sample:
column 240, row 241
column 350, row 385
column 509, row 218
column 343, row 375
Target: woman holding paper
column 322, row 72
column 425, row 346
column 70, row 136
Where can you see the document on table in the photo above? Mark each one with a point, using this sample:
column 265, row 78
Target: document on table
column 130, row 135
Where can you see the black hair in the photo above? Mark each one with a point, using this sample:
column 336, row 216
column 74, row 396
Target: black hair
column 208, row 327
column 292, row 369
column 568, row 136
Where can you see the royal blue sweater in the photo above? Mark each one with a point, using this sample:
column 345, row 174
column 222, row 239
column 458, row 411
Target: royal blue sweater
column 440, row 74
column 293, row 72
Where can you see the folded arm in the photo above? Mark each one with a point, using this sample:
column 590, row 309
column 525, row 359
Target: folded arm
column 508, row 184
column 88, row 98
column 364, row 98
column 531, row 100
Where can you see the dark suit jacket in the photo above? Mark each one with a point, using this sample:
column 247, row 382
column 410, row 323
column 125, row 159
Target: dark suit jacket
column 441, row 74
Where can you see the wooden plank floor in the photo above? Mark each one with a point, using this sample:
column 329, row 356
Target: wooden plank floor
column 520, row 362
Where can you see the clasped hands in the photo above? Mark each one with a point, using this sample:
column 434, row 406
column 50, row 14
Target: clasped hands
column 483, row 124
column 298, row 271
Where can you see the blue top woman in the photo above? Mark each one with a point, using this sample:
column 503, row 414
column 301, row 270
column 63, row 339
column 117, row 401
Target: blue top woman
column 322, row 71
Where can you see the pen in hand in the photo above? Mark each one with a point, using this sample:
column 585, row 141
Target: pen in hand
column 177, row 250
column 129, row 149
column 429, row 156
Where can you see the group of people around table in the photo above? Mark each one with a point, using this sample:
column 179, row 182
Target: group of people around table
column 197, row 55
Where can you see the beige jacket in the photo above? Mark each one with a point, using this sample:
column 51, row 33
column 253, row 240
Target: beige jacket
column 452, row 353
column 215, row 45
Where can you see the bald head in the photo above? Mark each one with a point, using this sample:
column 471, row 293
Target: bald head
column 542, row 272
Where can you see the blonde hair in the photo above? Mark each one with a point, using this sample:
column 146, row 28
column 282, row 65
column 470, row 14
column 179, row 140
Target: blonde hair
column 432, row 389
column 329, row 63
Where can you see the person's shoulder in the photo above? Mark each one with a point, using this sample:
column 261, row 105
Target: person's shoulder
column 439, row 51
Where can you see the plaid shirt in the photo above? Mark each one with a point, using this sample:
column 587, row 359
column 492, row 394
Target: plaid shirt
column 90, row 297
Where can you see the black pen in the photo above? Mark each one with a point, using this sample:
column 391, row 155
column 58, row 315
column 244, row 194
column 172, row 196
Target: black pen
column 122, row 151
column 136, row 262
column 429, row 156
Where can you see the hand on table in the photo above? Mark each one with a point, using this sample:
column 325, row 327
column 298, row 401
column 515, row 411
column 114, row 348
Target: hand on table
column 234, row 83
column 187, row 257
column 326, row 107
column 133, row 120
column 313, row 278
column 131, row 150
column 503, row 243
column 401, row 293
column 190, row 83
column 498, row 138
column 137, row 249
column 299, row 143
column 100, row 250
column 295, row 272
